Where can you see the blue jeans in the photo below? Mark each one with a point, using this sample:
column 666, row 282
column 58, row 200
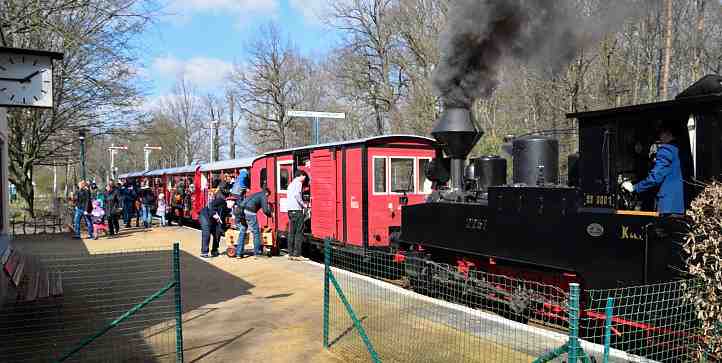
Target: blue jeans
column 162, row 219
column 252, row 222
column 145, row 215
column 79, row 214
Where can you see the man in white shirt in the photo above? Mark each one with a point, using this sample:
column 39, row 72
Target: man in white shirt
column 295, row 206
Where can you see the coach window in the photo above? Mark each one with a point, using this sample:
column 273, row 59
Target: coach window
column 402, row 175
column 424, row 183
column 264, row 178
column 379, row 175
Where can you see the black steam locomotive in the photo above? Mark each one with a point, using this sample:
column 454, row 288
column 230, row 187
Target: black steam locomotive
column 586, row 230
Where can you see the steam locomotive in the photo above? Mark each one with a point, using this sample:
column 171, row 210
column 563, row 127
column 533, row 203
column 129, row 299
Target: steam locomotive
column 587, row 230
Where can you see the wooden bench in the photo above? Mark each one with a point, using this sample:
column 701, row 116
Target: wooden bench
column 24, row 278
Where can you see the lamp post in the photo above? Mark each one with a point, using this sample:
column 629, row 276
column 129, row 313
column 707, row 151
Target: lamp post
column 82, row 153
column 113, row 149
column 147, row 149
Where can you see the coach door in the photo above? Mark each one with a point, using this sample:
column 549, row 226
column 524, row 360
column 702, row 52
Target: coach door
column 284, row 175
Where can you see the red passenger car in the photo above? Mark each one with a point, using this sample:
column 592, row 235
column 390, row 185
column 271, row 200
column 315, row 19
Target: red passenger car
column 356, row 189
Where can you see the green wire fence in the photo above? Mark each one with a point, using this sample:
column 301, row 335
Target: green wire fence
column 115, row 307
column 379, row 307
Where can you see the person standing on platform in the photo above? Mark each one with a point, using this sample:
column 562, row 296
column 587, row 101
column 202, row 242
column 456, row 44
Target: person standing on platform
column 211, row 218
column 112, row 205
column 160, row 210
column 147, row 200
column 250, row 208
column 83, row 207
column 296, row 218
column 128, row 196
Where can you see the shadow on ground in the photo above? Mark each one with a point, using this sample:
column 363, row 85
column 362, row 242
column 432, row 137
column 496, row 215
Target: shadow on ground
column 100, row 287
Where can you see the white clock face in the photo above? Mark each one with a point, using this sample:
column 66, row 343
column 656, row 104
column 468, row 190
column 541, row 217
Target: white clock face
column 25, row 80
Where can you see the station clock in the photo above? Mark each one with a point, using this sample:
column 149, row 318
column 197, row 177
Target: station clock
column 26, row 77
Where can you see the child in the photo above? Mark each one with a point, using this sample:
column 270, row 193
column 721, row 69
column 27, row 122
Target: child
column 97, row 215
column 160, row 211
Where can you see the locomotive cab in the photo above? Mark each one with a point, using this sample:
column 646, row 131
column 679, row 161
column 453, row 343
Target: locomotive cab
column 619, row 145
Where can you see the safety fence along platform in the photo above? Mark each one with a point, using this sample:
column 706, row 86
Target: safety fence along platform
column 114, row 307
column 372, row 314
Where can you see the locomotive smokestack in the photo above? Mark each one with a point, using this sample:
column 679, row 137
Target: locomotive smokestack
column 481, row 34
column 457, row 132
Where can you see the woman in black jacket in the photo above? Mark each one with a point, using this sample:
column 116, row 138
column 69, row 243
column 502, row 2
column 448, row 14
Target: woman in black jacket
column 112, row 209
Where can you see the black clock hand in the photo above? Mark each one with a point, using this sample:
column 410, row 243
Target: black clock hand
column 27, row 79
column 20, row 80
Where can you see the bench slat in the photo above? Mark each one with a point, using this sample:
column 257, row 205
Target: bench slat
column 11, row 265
column 18, row 275
column 4, row 281
column 6, row 255
column 56, row 284
column 44, row 285
column 31, row 292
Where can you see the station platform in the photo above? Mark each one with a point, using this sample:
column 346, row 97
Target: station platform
column 247, row 310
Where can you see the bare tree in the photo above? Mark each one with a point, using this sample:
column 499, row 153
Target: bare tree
column 215, row 108
column 183, row 107
column 664, row 81
column 268, row 87
column 94, row 86
column 370, row 37
column 231, row 104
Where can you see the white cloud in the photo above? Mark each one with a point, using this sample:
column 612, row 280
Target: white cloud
column 241, row 8
column 201, row 71
column 312, row 10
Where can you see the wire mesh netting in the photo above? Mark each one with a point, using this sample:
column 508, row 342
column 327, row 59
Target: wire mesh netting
column 413, row 309
column 96, row 290
column 652, row 321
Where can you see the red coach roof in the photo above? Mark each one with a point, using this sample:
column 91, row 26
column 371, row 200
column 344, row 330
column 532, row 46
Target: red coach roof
column 368, row 140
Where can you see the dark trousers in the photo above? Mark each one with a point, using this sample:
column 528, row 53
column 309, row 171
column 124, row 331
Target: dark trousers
column 209, row 227
column 295, row 232
column 127, row 213
column 113, row 224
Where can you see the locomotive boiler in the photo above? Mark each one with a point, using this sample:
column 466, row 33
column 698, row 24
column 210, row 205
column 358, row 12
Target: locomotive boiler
column 585, row 229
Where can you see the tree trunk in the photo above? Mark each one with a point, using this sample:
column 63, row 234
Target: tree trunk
column 231, row 126
column 697, row 66
column 664, row 81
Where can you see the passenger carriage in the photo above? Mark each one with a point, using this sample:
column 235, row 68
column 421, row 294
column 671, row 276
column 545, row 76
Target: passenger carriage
column 356, row 192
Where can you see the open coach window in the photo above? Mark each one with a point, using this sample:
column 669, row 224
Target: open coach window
column 402, row 175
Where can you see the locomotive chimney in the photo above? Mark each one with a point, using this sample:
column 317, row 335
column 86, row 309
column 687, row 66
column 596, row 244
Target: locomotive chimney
column 457, row 132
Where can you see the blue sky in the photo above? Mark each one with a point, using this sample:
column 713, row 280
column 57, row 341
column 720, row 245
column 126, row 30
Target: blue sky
column 204, row 38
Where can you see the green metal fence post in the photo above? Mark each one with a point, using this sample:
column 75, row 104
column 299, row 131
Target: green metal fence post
column 608, row 328
column 355, row 319
column 326, row 272
column 573, row 322
column 178, row 306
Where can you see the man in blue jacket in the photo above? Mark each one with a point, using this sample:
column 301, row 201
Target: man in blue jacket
column 665, row 175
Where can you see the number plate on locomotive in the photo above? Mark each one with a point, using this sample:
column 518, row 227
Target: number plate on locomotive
column 599, row 200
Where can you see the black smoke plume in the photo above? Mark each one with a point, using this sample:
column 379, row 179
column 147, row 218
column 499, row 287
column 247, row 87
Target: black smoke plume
column 482, row 34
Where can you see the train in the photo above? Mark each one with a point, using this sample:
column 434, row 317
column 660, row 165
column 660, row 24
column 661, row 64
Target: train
column 425, row 202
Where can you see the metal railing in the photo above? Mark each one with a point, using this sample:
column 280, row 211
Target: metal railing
column 371, row 312
column 115, row 306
